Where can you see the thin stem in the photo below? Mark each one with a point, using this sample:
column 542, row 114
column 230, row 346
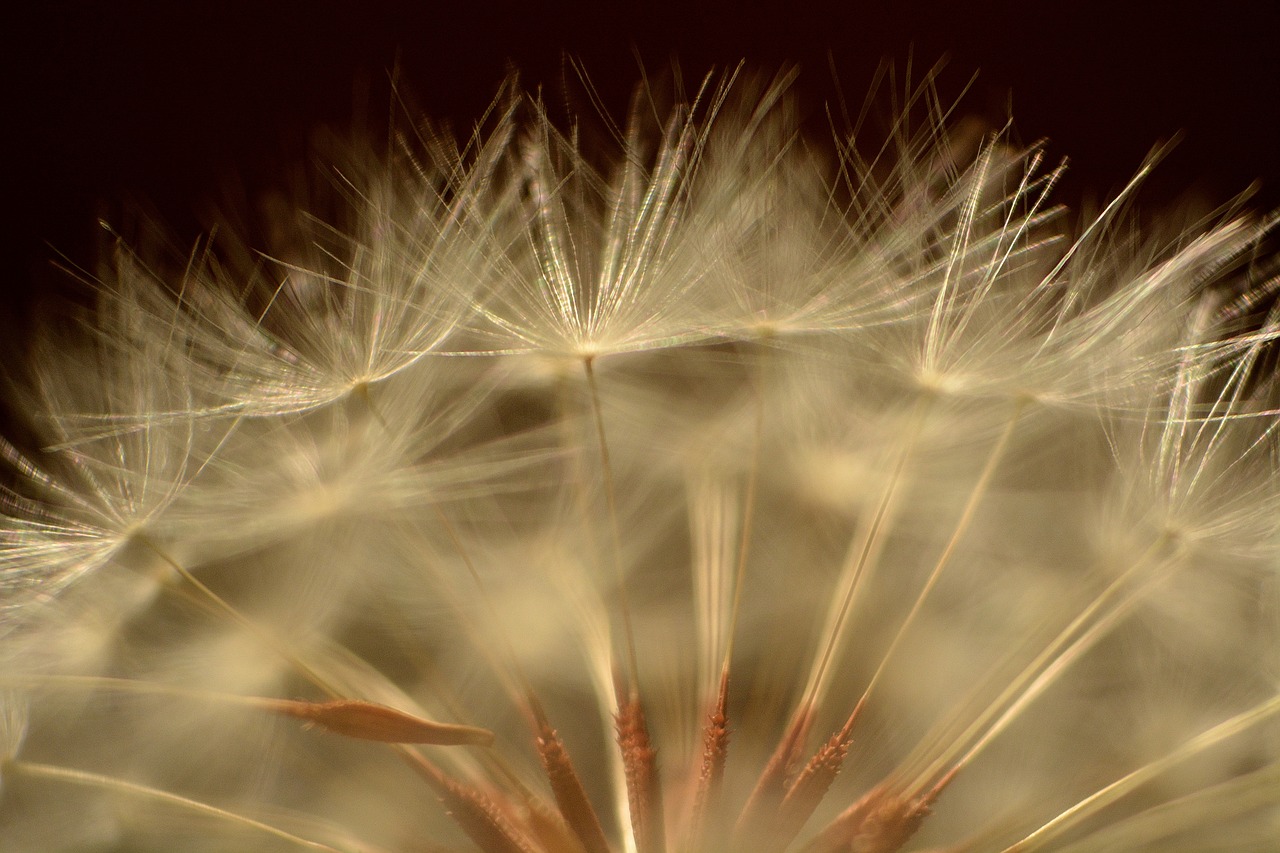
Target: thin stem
column 716, row 732
column 1052, row 661
column 748, row 511
column 566, row 786
column 139, row 688
column 1050, row 674
column 1105, row 796
column 1209, row 806
column 230, row 612
column 606, row 467
column 966, row 517
column 623, row 769
column 515, row 682
column 771, row 786
column 237, row 617
column 858, row 560
column 97, row 780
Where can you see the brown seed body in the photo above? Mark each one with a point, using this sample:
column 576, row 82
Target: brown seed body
column 362, row 720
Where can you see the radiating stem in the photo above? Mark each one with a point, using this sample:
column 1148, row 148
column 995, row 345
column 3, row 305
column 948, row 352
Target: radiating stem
column 611, row 500
column 514, row 682
column 272, row 642
column 637, row 769
column 716, row 730
column 133, row 687
column 966, row 517
column 767, row 795
column 1104, row 797
column 1206, row 807
column 238, row 618
column 748, row 508
column 859, row 558
column 1052, row 661
column 97, row 780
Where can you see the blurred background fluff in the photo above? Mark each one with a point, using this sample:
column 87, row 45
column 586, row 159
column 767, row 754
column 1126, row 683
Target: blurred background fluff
column 682, row 483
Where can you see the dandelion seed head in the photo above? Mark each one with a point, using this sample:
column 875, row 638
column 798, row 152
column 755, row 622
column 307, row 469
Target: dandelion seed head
column 707, row 493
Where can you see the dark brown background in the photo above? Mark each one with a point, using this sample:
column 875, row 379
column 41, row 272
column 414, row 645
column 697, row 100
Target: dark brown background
column 112, row 104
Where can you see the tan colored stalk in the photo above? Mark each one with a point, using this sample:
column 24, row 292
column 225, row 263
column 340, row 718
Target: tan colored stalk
column 97, row 780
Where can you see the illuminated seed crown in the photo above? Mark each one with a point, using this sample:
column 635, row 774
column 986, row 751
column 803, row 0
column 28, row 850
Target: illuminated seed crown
column 723, row 490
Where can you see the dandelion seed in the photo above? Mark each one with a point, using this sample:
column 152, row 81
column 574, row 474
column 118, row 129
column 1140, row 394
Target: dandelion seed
column 607, row 267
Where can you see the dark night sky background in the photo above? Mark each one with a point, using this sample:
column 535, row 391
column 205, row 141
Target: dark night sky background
column 169, row 103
